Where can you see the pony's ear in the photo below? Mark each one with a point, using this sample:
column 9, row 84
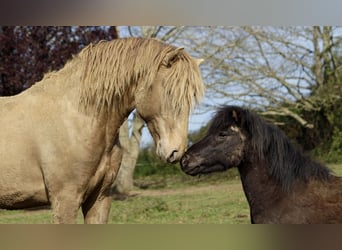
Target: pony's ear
column 235, row 116
column 172, row 57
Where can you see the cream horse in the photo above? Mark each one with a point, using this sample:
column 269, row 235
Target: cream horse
column 59, row 139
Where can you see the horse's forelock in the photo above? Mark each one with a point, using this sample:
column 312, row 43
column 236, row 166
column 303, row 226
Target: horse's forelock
column 110, row 68
column 183, row 87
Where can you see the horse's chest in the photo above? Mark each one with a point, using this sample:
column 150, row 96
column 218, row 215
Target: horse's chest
column 106, row 171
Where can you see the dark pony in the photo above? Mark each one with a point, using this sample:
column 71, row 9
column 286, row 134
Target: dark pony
column 281, row 183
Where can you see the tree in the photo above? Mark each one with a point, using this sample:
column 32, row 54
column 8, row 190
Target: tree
column 28, row 52
column 265, row 67
column 282, row 72
column 130, row 145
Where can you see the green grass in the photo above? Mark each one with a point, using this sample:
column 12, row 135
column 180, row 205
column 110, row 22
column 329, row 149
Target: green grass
column 222, row 203
column 25, row 217
column 202, row 202
column 168, row 200
column 336, row 168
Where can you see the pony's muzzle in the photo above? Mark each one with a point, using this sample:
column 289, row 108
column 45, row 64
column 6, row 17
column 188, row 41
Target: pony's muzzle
column 190, row 164
column 184, row 161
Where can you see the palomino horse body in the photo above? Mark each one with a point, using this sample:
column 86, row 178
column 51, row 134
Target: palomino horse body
column 59, row 139
column 281, row 184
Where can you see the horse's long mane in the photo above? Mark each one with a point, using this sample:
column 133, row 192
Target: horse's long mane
column 286, row 161
column 112, row 69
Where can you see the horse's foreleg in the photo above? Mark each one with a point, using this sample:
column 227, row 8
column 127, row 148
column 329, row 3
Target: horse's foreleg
column 64, row 209
column 96, row 208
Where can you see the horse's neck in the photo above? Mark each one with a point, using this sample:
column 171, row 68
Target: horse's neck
column 63, row 89
column 66, row 96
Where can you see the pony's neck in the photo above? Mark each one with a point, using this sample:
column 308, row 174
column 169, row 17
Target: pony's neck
column 261, row 191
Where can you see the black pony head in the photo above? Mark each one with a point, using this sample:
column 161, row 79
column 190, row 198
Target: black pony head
column 238, row 135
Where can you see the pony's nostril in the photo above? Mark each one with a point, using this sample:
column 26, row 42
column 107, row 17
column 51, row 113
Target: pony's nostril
column 173, row 157
column 185, row 160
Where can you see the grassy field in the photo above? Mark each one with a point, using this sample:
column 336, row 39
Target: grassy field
column 168, row 200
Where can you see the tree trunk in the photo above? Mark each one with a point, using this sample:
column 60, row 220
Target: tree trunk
column 130, row 146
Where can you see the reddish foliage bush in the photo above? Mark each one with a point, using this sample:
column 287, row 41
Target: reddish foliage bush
column 26, row 53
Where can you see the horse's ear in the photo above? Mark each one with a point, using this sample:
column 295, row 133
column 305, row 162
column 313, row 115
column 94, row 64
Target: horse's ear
column 199, row 61
column 172, row 57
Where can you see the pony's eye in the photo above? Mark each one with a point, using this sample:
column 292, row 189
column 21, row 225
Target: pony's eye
column 223, row 134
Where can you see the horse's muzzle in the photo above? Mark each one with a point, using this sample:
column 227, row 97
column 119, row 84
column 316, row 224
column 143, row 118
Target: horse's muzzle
column 174, row 157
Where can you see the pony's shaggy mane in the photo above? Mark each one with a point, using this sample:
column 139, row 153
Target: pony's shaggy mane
column 286, row 162
column 111, row 70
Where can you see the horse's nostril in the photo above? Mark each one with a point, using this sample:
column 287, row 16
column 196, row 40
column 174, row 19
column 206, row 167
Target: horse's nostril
column 173, row 157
